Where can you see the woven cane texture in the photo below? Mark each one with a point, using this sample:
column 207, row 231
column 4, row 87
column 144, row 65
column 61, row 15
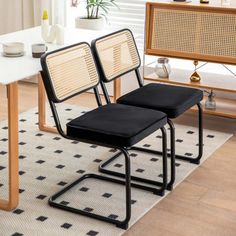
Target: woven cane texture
column 72, row 70
column 205, row 33
column 117, row 54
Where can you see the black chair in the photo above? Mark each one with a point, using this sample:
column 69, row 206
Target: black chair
column 71, row 71
column 116, row 54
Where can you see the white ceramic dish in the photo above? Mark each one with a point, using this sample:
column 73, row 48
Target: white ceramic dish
column 13, row 54
column 13, row 48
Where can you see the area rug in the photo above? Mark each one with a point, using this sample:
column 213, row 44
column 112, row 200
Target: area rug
column 49, row 162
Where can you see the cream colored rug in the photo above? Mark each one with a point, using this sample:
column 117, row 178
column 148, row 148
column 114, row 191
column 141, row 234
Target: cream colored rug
column 49, row 162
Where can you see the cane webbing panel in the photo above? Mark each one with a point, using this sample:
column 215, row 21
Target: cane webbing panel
column 72, row 70
column 186, row 31
column 117, row 54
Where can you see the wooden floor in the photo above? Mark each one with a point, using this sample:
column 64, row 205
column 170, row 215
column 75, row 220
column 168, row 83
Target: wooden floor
column 204, row 204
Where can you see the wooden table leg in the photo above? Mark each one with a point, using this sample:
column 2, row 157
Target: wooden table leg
column 42, row 108
column 12, row 202
column 117, row 89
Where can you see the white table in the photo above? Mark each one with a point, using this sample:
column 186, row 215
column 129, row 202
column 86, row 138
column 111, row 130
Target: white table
column 13, row 70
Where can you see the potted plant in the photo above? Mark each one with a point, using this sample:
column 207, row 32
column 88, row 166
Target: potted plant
column 96, row 13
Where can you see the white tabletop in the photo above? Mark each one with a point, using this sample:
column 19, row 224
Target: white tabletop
column 18, row 68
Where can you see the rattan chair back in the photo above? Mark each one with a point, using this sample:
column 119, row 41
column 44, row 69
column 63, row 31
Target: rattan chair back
column 116, row 54
column 69, row 71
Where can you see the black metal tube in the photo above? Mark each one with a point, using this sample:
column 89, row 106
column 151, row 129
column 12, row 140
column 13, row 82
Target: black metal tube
column 56, row 119
column 164, row 158
column 108, row 101
column 172, row 155
column 200, row 132
column 124, row 223
column 140, row 81
column 97, row 95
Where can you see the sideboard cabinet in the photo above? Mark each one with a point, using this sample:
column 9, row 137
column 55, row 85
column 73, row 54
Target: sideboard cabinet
column 199, row 32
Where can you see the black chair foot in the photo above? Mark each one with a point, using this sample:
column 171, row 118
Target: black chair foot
column 123, row 226
column 169, row 187
column 159, row 192
column 194, row 161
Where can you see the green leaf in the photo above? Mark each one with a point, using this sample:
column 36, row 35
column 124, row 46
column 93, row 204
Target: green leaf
column 94, row 7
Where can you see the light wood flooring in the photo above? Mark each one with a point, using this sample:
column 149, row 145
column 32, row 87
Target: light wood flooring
column 204, row 204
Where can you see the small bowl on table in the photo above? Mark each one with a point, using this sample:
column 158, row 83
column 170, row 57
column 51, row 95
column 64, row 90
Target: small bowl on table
column 13, row 49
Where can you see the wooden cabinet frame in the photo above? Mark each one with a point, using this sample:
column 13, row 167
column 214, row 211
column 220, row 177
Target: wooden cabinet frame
column 183, row 7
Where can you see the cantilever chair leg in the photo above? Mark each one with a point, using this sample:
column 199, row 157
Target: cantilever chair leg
column 196, row 160
column 163, row 185
column 172, row 155
column 121, row 224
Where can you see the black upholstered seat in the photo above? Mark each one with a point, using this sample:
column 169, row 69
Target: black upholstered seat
column 116, row 124
column 172, row 100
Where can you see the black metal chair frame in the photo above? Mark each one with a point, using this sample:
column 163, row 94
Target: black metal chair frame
column 172, row 154
column 123, row 150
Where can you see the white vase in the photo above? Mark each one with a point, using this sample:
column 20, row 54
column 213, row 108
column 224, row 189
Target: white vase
column 93, row 24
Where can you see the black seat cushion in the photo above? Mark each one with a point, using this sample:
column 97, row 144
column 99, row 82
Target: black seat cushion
column 116, row 125
column 172, row 100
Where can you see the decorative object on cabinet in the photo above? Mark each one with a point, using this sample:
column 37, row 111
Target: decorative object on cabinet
column 162, row 67
column 195, row 77
column 210, row 103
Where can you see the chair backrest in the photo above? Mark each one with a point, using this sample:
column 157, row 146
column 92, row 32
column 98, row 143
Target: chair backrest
column 116, row 54
column 69, row 71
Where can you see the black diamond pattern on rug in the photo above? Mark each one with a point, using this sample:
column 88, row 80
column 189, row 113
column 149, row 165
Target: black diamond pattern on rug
column 41, row 178
column 66, row 225
column 62, row 183
column 65, row 203
column 113, row 216
column 21, row 190
column 2, row 167
column 17, row 234
column 40, row 161
column 80, row 171
column 92, row 233
column 84, row 189
column 88, row 209
column 41, row 218
column 77, row 156
column 18, row 211
column 107, row 195
column 41, row 196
